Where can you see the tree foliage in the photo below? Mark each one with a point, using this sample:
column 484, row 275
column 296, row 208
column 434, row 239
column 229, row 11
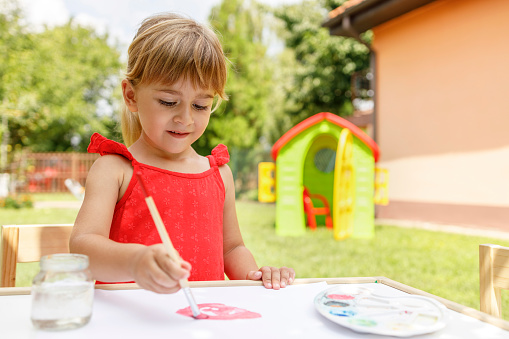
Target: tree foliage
column 325, row 64
column 54, row 83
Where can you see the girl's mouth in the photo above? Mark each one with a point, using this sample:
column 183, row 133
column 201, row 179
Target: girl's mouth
column 177, row 134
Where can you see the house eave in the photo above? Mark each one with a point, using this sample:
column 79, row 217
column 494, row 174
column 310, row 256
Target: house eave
column 370, row 13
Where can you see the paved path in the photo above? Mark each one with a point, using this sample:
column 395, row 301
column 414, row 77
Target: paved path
column 58, row 204
column 464, row 229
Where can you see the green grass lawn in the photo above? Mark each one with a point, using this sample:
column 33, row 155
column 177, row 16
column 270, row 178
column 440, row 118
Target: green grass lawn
column 444, row 264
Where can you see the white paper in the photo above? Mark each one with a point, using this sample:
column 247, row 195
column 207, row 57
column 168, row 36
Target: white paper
column 139, row 313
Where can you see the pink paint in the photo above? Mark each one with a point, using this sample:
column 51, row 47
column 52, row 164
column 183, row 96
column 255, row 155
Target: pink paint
column 340, row 296
column 221, row 312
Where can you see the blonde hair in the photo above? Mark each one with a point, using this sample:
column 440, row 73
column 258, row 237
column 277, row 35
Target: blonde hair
column 166, row 48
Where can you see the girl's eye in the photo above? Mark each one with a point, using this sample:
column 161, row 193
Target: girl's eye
column 200, row 108
column 167, row 103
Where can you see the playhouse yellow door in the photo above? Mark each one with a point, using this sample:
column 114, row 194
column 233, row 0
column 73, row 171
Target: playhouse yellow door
column 344, row 187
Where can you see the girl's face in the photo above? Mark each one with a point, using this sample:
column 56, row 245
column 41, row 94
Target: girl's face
column 172, row 116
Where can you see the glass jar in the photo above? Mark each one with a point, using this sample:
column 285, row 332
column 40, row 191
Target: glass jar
column 62, row 292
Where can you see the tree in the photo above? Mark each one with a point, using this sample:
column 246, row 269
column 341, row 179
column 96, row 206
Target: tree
column 53, row 85
column 240, row 122
column 13, row 42
column 325, row 64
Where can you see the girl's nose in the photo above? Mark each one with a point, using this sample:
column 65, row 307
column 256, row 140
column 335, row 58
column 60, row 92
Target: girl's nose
column 184, row 117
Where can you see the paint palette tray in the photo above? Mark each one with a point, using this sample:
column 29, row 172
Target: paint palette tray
column 362, row 310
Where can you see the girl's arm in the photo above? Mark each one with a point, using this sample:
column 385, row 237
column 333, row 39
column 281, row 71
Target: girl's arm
column 239, row 262
column 110, row 261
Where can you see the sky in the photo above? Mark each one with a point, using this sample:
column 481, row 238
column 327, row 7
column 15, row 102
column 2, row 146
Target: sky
column 120, row 18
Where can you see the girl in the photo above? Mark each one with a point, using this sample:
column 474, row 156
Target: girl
column 176, row 69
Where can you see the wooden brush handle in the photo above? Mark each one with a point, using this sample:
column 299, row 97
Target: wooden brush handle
column 162, row 230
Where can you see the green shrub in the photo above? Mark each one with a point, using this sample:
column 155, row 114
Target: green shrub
column 17, row 201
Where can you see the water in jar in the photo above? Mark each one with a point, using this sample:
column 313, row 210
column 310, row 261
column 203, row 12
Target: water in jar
column 62, row 300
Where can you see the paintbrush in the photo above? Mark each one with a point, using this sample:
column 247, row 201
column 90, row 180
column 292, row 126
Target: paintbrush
column 174, row 255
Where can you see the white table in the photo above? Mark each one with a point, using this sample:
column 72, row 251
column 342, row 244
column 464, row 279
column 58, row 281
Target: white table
column 124, row 311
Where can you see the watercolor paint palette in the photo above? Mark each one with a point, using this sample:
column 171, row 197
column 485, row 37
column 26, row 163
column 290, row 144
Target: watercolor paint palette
column 361, row 310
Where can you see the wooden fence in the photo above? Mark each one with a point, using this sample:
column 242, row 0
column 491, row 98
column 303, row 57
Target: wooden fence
column 47, row 172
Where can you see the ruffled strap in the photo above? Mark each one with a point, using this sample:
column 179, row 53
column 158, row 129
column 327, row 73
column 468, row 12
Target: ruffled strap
column 103, row 146
column 220, row 155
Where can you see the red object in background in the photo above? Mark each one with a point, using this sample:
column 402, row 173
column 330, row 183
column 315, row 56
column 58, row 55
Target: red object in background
column 312, row 211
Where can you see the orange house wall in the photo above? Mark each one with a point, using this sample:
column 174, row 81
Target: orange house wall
column 443, row 103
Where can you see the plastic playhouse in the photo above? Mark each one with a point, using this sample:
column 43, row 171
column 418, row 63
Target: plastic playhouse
column 324, row 174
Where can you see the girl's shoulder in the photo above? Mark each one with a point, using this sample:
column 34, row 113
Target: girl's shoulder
column 111, row 166
column 115, row 163
column 110, row 174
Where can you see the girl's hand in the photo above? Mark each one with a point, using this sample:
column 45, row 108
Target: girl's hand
column 273, row 277
column 154, row 270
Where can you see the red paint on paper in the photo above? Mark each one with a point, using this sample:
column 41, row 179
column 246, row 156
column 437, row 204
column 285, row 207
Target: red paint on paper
column 340, row 296
column 221, row 312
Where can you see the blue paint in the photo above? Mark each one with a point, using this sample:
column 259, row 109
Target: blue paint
column 343, row 313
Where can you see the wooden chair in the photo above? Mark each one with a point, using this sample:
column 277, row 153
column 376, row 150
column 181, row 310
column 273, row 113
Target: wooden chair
column 312, row 211
column 28, row 243
column 493, row 276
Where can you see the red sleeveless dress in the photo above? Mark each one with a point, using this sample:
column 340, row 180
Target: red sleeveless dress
column 190, row 204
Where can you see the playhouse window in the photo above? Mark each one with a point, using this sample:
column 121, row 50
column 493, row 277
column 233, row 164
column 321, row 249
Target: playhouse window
column 325, row 160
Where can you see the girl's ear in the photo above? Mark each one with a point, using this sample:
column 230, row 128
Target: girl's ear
column 129, row 95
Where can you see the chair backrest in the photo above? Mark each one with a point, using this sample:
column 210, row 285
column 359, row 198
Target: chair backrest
column 493, row 277
column 28, row 243
column 308, row 203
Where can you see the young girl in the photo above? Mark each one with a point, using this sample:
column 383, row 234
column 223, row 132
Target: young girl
column 176, row 69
